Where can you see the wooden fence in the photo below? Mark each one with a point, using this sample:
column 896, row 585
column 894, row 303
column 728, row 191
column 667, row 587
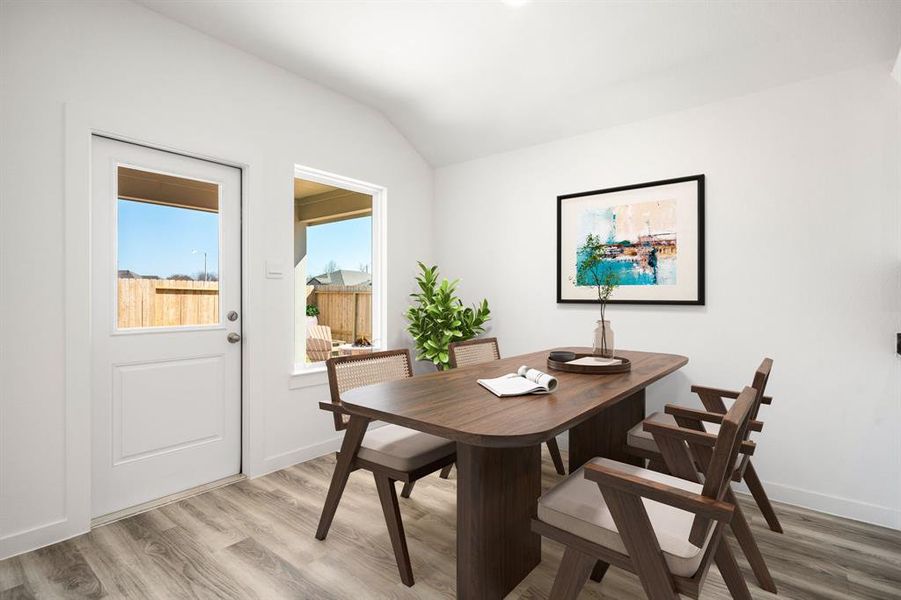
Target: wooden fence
column 347, row 309
column 167, row 302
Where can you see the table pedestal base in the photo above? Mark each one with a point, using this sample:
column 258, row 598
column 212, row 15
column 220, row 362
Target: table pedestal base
column 605, row 433
column 497, row 494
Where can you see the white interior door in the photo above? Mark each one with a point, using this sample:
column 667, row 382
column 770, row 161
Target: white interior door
column 166, row 323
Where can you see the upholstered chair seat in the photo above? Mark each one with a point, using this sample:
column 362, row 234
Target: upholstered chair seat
column 643, row 440
column 577, row 506
column 403, row 449
column 639, row 438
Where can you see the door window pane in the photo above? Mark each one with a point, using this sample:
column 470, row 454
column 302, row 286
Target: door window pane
column 167, row 251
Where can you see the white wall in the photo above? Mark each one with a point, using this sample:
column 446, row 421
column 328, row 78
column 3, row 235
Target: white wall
column 129, row 71
column 789, row 171
column 803, row 266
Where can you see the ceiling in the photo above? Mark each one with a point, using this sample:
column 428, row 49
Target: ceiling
column 467, row 79
column 167, row 190
column 319, row 203
column 305, row 189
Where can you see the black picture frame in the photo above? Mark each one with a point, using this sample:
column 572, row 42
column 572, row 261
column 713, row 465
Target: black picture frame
column 700, row 299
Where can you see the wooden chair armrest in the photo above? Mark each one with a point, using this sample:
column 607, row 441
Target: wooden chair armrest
column 700, row 389
column 332, row 407
column 659, row 492
column 691, row 436
column 703, row 389
column 705, row 416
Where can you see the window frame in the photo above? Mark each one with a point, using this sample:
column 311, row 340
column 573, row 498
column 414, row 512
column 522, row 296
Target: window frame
column 379, row 196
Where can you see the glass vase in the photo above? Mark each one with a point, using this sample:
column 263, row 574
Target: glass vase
column 603, row 340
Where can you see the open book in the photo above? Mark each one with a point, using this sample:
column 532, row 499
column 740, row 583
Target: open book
column 524, row 381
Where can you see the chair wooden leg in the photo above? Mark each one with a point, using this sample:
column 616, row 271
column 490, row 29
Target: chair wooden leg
column 749, row 545
column 756, row 488
column 657, row 465
column 599, row 570
column 554, row 449
column 353, row 437
column 408, row 489
column 445, row 472
column 572, row 574
column 641, row 543
column 388, row 498
column 725, row 561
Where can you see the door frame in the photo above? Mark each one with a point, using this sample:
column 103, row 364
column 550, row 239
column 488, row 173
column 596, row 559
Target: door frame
column 81, row 123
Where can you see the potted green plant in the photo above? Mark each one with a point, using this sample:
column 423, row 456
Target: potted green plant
column 312, row 315
column 438, row 317
column 595, row 268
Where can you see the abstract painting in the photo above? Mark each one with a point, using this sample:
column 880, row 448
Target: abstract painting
column 652, row 239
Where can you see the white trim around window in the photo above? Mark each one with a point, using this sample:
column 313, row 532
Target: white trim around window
column 379, row 268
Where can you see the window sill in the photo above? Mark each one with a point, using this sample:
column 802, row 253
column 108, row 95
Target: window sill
column 304, row 377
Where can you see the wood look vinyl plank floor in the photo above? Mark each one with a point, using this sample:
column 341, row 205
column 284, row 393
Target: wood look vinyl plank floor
column 254, row 540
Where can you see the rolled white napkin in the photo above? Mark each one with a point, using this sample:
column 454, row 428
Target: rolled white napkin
column 539, row 377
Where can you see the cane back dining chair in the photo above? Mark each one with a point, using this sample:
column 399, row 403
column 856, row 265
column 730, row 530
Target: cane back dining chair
column 667, row 529
column 482, row 350
column 641, row 443
column 391, row 452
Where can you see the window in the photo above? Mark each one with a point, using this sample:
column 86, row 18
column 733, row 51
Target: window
column 338, row 269
column 167, row 251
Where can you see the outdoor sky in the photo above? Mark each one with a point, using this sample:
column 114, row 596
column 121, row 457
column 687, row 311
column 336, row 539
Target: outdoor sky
column 348, row 243
column 158, row 240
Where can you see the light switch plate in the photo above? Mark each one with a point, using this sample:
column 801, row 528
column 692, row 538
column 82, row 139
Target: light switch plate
column 275, row 269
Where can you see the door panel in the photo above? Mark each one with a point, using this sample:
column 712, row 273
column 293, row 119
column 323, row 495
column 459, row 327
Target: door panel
column 166, row 381
column 145, row 395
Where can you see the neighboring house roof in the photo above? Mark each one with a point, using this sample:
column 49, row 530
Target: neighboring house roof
column 126, row 274
column 342, row 277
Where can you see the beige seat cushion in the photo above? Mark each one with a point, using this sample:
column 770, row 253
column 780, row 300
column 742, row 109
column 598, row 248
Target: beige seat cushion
column 403, row 449
column 576, row 505
column 639, row 438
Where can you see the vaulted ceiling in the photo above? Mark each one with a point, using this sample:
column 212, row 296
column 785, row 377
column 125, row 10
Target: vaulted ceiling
column 467, row 79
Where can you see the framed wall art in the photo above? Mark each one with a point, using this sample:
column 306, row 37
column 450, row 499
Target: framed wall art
column 651, row 239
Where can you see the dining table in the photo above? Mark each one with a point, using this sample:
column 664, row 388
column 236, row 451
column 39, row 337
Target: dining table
column 499, row 446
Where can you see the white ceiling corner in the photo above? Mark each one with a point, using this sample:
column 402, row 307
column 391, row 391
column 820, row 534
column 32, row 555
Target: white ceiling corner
column 467, row 79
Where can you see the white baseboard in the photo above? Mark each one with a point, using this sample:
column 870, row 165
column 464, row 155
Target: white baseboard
column 857, row 510
column 36, row 537
column 62, row 529
column 298, row 455
column 874, row 514
column 57, row 531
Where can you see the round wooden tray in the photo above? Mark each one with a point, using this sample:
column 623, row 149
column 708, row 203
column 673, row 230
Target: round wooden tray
column 623, row 367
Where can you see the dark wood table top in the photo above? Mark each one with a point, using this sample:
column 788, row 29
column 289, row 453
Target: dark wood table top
column 453, row 405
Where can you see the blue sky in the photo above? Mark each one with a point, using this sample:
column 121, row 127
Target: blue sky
column 348, row 243
column 158, row 240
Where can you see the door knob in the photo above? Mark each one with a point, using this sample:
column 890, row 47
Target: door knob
column 233, row 338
